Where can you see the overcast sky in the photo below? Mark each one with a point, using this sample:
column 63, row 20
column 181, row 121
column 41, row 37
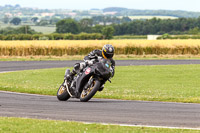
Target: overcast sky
column 189, row 5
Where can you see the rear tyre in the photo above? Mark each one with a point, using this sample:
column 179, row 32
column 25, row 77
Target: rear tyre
column 62, row 93
column 86, row 95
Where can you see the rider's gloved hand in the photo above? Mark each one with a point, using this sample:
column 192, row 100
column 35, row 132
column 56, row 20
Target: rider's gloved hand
column 82, row 65
column 112, row 71
column 90, row 62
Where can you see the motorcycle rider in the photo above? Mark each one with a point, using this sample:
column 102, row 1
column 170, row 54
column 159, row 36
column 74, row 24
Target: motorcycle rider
column 107, row 52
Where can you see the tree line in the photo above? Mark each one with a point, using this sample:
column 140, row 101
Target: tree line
column 135, row 27
column 159, row 26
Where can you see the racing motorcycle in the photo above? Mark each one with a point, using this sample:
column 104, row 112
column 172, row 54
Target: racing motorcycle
column 87, row 82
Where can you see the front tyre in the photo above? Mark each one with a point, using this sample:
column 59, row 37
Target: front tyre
column 62, row 93
column 86, row 95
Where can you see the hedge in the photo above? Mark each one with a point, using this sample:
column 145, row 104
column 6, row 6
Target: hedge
column 54, row 36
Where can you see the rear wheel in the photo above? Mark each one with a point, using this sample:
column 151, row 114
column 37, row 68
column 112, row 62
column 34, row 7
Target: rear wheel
column 62, row 93
column 87, row 94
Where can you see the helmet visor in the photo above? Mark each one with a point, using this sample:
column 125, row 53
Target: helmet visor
column 109, row 55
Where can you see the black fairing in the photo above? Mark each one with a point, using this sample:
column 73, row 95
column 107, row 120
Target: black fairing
column 82, row 79
column 103, row 71
column 100, row 69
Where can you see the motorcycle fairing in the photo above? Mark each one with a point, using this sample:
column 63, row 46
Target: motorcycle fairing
column 83, row 79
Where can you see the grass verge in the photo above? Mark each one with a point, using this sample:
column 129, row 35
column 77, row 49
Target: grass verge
column 24, row 125
column 173, row 83
column 80, row 57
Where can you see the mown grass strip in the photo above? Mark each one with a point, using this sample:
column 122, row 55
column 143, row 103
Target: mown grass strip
column 25, row 125
column 80, row 57
column 173, row 83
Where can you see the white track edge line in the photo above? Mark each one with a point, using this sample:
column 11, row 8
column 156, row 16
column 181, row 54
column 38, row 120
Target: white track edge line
column 129, row 125
column 7, row 71
column 28, row 94
column 114, row 124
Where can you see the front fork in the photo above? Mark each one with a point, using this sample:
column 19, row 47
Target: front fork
column 66, row 85
column 89, row 83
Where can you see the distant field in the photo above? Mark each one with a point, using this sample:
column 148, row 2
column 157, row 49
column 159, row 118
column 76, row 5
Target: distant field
column 43, row 29
column 150, row 17
column 7, row 25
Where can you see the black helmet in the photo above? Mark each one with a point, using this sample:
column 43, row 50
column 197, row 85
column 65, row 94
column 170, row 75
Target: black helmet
column 108, row 51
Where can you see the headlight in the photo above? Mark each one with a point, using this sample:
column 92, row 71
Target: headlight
column 107, row 65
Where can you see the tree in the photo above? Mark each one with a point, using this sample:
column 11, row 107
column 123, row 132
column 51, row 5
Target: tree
column 20, row 30
column 43, row 23
column 108, row 32
column 15, row 21
column 6, row 19
column 85, row 25
column 97, row 28
column 194, row 31
column 67, row 26
column 34, row 19
column 54, row 20
column 125, row 19
column 26, row 30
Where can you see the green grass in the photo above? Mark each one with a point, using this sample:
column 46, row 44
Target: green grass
column 80, row 57
column 24, row 125
column 176, row 83
column 43, row 29
column 40, row 58
column 130, row 37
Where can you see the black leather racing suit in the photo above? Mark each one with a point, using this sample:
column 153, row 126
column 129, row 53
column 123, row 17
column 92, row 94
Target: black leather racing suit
column 92, row 55
column 98, row 53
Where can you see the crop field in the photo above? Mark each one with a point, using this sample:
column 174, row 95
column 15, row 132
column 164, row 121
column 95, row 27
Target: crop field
column 150, row 17
column 83, row 47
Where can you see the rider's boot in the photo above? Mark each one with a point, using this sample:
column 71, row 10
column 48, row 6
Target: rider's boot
column 71, row 75
column 77, row 68
column 75, row 93
column 101, row 88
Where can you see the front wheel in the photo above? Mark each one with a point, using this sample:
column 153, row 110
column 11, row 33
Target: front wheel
column 87, row 94
column 62, row 93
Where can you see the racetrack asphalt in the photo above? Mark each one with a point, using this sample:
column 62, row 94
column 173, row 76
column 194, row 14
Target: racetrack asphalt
column 145, row 113
column 27, row 65
column 101, row 110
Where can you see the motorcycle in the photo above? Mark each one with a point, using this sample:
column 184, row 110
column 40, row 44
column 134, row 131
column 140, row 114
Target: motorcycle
column 87, row 82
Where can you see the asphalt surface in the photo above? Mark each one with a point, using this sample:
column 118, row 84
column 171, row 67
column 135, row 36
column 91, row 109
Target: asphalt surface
column 101, row 111
column 27, row 65
column 98, row 110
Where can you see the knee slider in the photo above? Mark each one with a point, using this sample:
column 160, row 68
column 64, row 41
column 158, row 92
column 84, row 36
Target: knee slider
column 77, row 66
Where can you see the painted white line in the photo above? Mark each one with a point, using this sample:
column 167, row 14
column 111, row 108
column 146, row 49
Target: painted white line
column 7, row 71
column 29, row 94
column 114, row 124
column 127, row 125
column 26, row 94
